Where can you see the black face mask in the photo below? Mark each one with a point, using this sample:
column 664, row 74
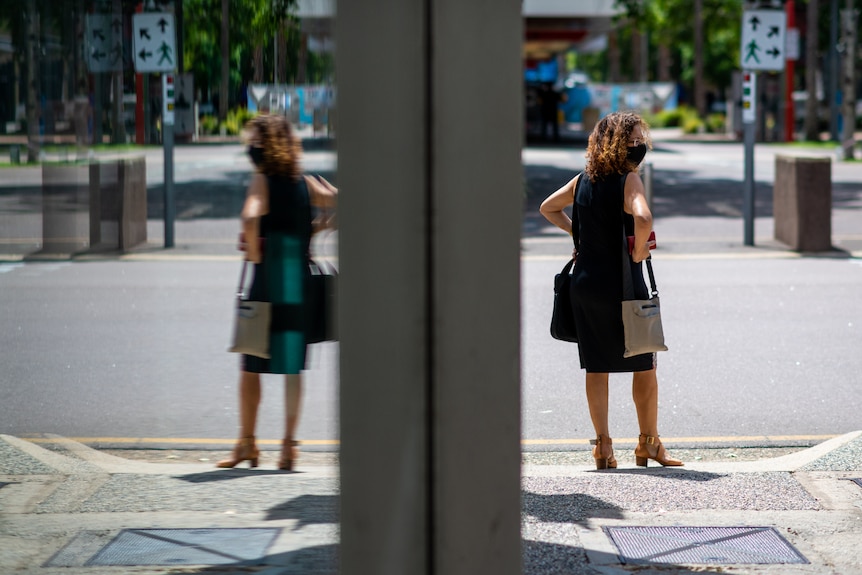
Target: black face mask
column 256, row 154
column 636, row 153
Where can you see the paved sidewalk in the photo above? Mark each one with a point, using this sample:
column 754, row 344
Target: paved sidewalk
column 68, row 509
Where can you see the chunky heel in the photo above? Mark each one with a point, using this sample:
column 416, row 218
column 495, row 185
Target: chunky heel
column 602, row 461
column 289, row 454
column 245, row 450
column 649, row 447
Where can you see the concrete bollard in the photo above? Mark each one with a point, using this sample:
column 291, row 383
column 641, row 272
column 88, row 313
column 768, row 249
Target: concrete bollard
column 118, row 203
column 802, row 203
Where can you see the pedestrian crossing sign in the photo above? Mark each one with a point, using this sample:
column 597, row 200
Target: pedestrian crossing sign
column 154, row 39
column 763, row 40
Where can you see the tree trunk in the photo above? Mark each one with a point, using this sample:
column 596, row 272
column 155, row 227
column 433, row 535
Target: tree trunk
column 224, row 90
column 848, row 97
column 32, row 38
column 280, row 72
column 812, row 129
column 613, row 57
column 257, row 63
column 664, row 63
column 699, row 87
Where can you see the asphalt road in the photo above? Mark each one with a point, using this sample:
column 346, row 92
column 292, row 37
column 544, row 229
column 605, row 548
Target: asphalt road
column 762, row 344
column 136, row 349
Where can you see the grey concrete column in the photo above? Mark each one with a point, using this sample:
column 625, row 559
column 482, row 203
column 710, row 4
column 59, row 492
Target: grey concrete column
column 429, row 140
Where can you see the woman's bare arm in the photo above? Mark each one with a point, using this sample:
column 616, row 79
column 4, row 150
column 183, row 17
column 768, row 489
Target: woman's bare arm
column 635, row 203
column 553, row 206
column 256, row 205
column 323, row 195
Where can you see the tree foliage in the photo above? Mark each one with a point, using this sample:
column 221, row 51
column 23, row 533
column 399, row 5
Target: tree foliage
column 254, row 24
column 670, row 23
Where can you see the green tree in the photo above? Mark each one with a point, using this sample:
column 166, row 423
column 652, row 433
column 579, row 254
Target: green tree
column 671, row 29
column 252, row 29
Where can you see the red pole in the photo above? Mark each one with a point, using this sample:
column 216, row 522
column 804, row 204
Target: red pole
column 140, row 98
column 789, row 71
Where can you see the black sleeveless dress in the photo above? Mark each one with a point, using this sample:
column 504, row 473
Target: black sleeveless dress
column 282, row 276
column 597, row 278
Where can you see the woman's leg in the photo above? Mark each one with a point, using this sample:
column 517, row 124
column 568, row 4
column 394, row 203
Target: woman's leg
column 249, row 401
column 292, row 401
column 597, row 399
column 645, row 395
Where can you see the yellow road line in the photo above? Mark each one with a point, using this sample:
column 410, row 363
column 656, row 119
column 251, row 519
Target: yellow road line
column 187, row 441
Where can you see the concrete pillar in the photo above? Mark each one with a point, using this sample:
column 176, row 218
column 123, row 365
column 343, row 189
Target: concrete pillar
column 430, row 107
column 802, row 203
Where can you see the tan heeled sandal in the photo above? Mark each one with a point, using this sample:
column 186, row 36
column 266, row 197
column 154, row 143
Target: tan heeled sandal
column 245, row 450
column 650, row 447
column 289, row 454
column 603, row 462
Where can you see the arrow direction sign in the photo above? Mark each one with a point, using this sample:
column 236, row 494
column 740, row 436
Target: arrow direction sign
column 100, row 40
column 763, row 40
column 155, row 39
column 754, row 21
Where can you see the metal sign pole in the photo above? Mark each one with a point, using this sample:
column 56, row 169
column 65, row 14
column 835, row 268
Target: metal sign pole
column 154, row 50
column 168, row 142
column 763, row 47
column 749, row 115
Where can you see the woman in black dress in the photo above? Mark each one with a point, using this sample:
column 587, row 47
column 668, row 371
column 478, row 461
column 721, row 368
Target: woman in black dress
column 277, row 219
column 606, row 197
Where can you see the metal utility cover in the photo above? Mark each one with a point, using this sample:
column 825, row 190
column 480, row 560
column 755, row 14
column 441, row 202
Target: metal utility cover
column 702, row 545
column 185, row 546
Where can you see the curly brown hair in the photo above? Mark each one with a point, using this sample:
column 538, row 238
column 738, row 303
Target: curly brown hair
column 282, row 150
column 607, row 149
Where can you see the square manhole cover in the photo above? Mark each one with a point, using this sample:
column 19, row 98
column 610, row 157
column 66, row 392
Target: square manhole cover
column 185, row 546
column 703, row 545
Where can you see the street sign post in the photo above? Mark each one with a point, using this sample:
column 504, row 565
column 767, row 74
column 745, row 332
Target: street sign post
column 154, row 39
column 764, row 47
column 749, row 116
column 168, row 142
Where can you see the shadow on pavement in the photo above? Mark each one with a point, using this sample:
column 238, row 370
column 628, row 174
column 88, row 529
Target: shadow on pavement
column 576, row 508
column 228, row 474
column 307, row 510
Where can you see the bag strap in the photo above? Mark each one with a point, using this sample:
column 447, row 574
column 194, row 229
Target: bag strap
column 240, row 291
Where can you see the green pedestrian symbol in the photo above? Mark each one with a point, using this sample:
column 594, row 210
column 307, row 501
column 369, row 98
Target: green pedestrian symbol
column 751, row 51
column 165, row 51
